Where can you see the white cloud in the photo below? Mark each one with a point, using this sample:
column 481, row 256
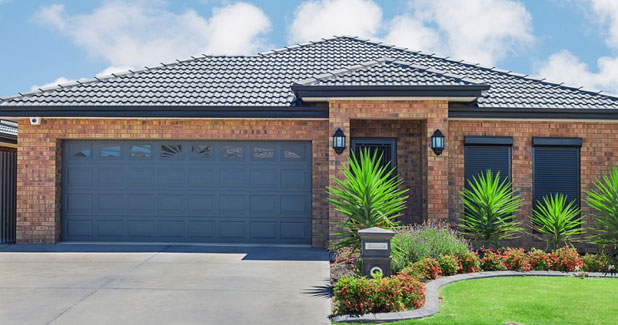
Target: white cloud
column 144, row 33
column 63, row 80
column 324, row 18
column 60, row 80
column 566, row 67
column 483, row 31
column 605, row 12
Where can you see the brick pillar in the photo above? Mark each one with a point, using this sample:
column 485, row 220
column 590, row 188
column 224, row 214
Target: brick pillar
column 437, row 171
column 38, row 189
column 336, row 162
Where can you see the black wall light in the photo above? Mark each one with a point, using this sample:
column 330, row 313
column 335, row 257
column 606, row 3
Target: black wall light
column 339, row 141
column 437, row 142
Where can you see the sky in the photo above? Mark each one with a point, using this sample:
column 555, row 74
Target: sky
column 46, row 42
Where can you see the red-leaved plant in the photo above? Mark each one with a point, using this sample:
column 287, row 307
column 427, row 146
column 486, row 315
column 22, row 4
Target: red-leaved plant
column 361, row 295
column 516, row 260
column 565, row 259
column 448, row 264
column 493, row 260
column 596, row 263
column 468, row 262
column 539, row 260
column 426, row 269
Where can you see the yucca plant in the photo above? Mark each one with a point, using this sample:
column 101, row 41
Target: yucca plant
column 489, row 205
column 604, row 200
column 369, row 195
column 555, row 221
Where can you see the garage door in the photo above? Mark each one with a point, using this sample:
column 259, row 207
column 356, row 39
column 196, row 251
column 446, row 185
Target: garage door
column 187, row 191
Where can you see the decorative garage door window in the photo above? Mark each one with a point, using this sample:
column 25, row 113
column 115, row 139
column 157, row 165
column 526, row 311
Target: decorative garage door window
column 187, row 191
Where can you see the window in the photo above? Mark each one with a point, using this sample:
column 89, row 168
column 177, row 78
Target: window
column 202, row 151
column 171, row 151
column 263, row 152
column 110, row 151
column 487, row 153
column 556, row 167
column 140, row 151
column 232, row 152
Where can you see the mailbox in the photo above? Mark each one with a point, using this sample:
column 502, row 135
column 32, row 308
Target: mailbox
column 376, row 251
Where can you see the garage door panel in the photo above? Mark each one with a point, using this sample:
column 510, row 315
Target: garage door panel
column 79, row 176
column 110, row 228
column 110, row 203
column 172, row 204
column 79, row 228
column 232, row 229
column 202, row 229
column 193, row 191
column 203, row 204
column 142, row 175
column 78, row 203
column 140, row 228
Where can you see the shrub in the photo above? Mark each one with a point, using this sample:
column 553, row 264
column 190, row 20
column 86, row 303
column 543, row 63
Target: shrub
column 555, row 221
column 369, row 196
column 413, row 291
column 425, row 269
column 448, row 264
column 539, row 260
column 493, row 261
column 361, row 295
column 596, row 263
column 565, row 259
column 468, row 262
column 489, row 205
column 515, row 259
column 604, row 200
column 428, row 240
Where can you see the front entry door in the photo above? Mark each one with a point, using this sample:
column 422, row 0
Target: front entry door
column 386, row 147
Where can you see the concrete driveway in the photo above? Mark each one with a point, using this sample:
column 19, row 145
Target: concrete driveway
column 162, row 284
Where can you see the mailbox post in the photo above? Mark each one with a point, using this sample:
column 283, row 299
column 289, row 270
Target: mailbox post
column 376, row 251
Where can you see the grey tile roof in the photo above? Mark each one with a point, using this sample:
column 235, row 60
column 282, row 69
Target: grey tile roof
column 265, row 80
column 385, row 72
column 8, row 128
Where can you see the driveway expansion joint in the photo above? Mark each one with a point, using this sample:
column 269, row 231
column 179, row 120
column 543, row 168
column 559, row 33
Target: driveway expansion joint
column 432, row 301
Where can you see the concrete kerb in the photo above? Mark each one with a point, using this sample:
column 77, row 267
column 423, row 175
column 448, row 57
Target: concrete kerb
column 432, row 302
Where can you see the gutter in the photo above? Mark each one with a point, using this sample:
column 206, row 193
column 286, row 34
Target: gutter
column 309, row 91
column 167, row 111
column 533, row 113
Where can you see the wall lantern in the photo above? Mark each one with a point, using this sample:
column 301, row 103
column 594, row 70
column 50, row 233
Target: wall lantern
column 437, row 142
column 339, row 141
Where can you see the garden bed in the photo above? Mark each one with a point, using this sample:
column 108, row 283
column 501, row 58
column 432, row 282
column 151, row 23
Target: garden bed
column 478, row 305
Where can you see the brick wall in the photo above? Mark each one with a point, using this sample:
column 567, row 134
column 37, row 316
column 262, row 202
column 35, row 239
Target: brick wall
column 39, row 160
column 409, row 134
column 598, row 153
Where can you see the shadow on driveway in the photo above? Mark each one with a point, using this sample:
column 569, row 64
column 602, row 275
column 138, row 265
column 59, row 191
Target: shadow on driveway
column 252, row 253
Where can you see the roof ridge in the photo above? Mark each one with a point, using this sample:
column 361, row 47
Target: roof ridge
column 383, row 60
column 478, row 65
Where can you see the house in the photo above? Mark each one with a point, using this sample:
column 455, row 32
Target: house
column 239, row 149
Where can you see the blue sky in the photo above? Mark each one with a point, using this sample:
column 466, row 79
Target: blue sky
column 52, row 41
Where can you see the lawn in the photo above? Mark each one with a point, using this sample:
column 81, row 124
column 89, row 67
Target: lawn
column 528, row 300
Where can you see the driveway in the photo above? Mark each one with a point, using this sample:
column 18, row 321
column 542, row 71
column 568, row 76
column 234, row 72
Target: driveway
column 162, row 284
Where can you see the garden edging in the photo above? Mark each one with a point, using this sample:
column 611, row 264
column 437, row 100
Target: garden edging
column 432, row 302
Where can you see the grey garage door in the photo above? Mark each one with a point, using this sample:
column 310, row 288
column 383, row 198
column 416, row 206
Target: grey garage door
column 187, row 191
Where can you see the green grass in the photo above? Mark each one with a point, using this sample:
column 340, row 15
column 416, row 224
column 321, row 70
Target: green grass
column 528, row 300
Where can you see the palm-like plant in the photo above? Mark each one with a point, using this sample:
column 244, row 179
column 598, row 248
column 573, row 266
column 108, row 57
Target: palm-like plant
column 369, row 195
column 556, row 221
column 604, row 200
column 489, row 205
